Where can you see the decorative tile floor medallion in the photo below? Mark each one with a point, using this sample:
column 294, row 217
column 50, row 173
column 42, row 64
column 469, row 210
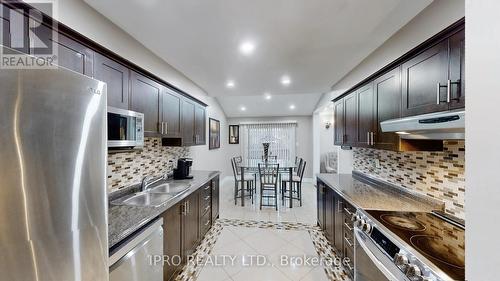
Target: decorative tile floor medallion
column 323, row 248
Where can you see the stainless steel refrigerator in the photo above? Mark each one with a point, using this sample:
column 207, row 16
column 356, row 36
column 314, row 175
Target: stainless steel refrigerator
column 53, row 206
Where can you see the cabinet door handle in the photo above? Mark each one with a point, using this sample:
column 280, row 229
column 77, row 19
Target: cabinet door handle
column 348, row 212
column 208, row 221
column 438, row 89
column 368, row 138
column 166, row 128
column 448, row 91
column 206, row 208
column 339, row 207
column 207, row 197
column 348, row 242
column 187, row 207
column 372, row 134
column 348, row 227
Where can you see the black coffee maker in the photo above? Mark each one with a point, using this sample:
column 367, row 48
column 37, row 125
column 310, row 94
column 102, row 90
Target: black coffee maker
column 183, row 169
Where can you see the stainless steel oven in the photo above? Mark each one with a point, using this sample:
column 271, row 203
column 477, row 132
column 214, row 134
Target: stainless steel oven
column 125, row 128
column 371, row 263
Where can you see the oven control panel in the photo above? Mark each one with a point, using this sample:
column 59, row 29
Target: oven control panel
column 408, row 263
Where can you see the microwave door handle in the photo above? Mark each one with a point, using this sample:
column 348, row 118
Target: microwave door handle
column 374, row 260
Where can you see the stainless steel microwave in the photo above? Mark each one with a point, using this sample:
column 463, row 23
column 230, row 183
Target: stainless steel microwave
column 125, row 128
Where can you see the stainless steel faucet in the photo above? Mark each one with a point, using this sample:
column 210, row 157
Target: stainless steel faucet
column 147, row 181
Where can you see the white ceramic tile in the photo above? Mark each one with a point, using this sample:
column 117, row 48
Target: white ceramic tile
column 316, row 274
column 268, row 273
column 213, row 273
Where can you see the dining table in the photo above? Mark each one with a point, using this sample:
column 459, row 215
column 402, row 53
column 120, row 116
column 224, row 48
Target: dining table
column 252, row 165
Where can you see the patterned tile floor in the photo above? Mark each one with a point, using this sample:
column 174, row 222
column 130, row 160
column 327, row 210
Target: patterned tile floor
column 278, row 248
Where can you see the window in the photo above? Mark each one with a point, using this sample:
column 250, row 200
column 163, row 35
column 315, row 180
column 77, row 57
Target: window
column 280, row 136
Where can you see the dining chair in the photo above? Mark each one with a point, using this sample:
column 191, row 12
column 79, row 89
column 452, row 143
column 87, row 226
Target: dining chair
column 296, row 184
column 268, row 175
column 248, row 174
column 248, row 179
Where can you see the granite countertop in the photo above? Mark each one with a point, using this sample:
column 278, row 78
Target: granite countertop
column 368, row 193
column 125, row 220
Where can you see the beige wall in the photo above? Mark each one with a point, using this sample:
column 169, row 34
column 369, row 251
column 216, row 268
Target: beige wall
column 82, row 18
column 437, row 16
column 304, row 137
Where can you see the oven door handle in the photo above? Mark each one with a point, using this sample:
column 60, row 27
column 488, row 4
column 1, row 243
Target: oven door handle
column 360, row 241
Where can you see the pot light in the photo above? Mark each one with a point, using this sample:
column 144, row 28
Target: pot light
column 230, row 84
column 247, row 48
column 285, row 80
column 402, row 133
column 292, row 107
column 243, row 108
column 267, row 96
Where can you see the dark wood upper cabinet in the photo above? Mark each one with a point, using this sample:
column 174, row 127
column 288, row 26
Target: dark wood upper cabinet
column 145, row 97
column 188, row 133
column 199, row 125
column 387, row 93
column 117, row 79
column 424, row 80
column 70, row 54
column 339, row 128
column 5, row 25
column 351, row 119
column 366, row 114
column 457, row 70
column 171, row 113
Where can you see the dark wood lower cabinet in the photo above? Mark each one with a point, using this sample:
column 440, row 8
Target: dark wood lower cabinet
column 215, row 199
column 185, row 225
column 172, row 241
column 334, row 218
column 320, row 202
column 329, row 207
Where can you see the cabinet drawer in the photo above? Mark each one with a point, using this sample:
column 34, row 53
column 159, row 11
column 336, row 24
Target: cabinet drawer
column 348, row 261
column 205, row 224
column 348, row 232
column 205, row 202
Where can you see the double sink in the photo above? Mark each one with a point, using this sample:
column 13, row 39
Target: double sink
column 154, row 196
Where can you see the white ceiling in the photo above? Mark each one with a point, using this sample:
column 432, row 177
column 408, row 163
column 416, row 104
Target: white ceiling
column 314, row 42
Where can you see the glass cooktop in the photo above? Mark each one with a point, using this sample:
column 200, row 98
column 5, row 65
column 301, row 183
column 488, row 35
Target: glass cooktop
column 440, row 241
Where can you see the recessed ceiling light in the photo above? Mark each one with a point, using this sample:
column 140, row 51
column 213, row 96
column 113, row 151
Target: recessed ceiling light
column 247, row 47
column 230, row 84
column 243, row 108
column 267, row 96
column 292, row 107
column 285, row 80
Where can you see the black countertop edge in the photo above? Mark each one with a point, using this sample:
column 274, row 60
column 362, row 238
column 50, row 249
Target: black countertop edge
column 121, row 214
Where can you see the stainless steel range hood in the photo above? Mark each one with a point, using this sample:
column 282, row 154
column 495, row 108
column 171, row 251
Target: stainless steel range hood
column 434, row 126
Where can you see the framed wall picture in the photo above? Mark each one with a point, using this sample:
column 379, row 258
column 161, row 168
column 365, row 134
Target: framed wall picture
column 214, row 133
column 234, row 134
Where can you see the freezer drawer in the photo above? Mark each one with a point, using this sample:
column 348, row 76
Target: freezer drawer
column 135, row 260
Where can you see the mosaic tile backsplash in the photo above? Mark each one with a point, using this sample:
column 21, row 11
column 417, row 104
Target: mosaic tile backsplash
column 127, row 168
column 439, row 175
